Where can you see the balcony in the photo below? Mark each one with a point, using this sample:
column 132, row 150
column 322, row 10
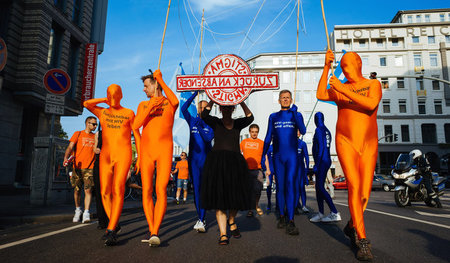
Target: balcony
column 421, row 93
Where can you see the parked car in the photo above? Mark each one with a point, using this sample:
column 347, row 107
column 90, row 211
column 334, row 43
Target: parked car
column 380, row 182
column 340, row 183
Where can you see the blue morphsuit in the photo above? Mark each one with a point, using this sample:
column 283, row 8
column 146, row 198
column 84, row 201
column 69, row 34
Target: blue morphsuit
column 200, row 139
column 282, row 129
column 302, row 172
column 270, row 178
column 322, row 161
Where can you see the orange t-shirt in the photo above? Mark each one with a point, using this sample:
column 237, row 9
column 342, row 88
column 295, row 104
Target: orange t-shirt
column 252, row 150
column 183, row 169
column 84, row 149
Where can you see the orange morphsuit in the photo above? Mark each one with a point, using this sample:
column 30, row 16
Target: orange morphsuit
column 356, row 130
column 156, row 116
column 115, row 156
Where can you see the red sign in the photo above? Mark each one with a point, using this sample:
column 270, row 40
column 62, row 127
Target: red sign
column 227, row 80
column 57, row 81
column 3, row 54
column 90, row 66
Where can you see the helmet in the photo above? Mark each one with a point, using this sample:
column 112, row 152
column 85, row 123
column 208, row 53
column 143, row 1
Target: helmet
column 415, row 153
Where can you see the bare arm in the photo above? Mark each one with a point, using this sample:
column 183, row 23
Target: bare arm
column 322, row 92
column 247, row 111
column 69, row 151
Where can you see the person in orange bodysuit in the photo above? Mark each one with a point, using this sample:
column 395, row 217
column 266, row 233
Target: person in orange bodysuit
column 115, row 155
column 156, row 116
column 356, row 138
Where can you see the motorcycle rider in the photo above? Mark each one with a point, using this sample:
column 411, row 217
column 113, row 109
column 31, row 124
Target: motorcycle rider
column 423, row 167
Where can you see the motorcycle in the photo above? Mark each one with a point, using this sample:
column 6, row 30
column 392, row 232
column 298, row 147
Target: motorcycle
column 409, row 185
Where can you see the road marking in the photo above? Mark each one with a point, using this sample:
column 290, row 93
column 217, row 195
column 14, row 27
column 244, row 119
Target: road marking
column 42, row 236
column 402, row 217
column 435, row 215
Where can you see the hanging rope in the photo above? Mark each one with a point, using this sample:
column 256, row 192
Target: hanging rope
column 248, row 31
column 201, row 43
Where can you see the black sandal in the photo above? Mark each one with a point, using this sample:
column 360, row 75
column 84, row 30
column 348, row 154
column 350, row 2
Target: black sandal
column 224, row 241
column 235, row 233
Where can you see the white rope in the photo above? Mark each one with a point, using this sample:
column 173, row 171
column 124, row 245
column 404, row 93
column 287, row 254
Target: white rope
column 273, row 21
column 215, row 41
column 181, row 27
column 303, row 18
column 248, row 31
column 280, row 27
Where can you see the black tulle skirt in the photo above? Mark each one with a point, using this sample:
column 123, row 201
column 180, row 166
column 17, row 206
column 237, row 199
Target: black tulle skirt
column 226, row 182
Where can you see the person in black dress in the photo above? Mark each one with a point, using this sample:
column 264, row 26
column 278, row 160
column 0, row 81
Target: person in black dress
column 225, row 181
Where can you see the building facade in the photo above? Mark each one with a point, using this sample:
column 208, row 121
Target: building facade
column 40, row 35
column 410, row 56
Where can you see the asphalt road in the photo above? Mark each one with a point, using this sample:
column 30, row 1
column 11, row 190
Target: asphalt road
column 413, row 234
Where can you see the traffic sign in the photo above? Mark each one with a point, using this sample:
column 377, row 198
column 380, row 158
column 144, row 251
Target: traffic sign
column 228, row 80
column 55, row 99
column 3, row 54
column 57, row 81
column 54, row 109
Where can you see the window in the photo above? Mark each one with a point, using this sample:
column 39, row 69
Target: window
column 427, row 18
column 384, row 83
column 415, row 40
column 419, row 84
column 286, row 77
column 382, row 61
column 297, row 96
column 315, row 60
column 306, row 97
column 429, row 133
column 76, row 16
column 398, row 61
column 431, row 40
column 306, row 76
column 59, row 4
column 275, row 97
column 388, row 133
column 447, row 132
column 74, row 52
column 418, row 19
column 400, row 83
column 304, row 60
column 447, row 38
column 347, row 44
column 421, row 105
column 386, row 106
column 417, row 60
column 362, row 43
column 285, row 60
column 402, row 106
column 276, row 61
column 395, row 42
column 433, row 60
column 438, row 106
column 405, row 133
column 379, row 42
column 442, row 17
column 409, row 19
column 54, row 47
column 435, row 83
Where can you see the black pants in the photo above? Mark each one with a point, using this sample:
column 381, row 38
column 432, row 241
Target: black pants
column 101, row 214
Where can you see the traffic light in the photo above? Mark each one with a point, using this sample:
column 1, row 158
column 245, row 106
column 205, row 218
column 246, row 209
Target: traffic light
column 395, row 137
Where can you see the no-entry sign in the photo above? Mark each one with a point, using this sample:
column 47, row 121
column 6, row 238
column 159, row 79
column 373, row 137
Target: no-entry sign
column 227, row 80
column 57, row 81
column 3, row 54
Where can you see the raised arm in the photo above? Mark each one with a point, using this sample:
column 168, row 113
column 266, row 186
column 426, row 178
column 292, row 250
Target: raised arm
column 369, row 102
column 185, row 107
column 208, row 119
column 173, row 100
column 91, row 105
column 246, row 110
column 322, row 92
column 146, row 108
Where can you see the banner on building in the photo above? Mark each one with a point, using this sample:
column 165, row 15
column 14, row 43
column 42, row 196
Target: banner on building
column 89, row 72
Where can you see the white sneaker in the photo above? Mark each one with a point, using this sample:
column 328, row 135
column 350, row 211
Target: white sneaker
column 317, row 218
column 201, row 227
column 76, row 217
column 196, row 225
column 154, row 241
column 86, row 217
column 332, row 217
column 305, row 210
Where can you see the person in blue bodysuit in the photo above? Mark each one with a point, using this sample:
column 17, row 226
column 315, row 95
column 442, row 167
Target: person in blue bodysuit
column 303, row 165
column 282, row 129
column 200, row 139
column 322, row 162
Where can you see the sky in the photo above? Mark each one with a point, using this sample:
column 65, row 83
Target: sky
column 134, row 30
